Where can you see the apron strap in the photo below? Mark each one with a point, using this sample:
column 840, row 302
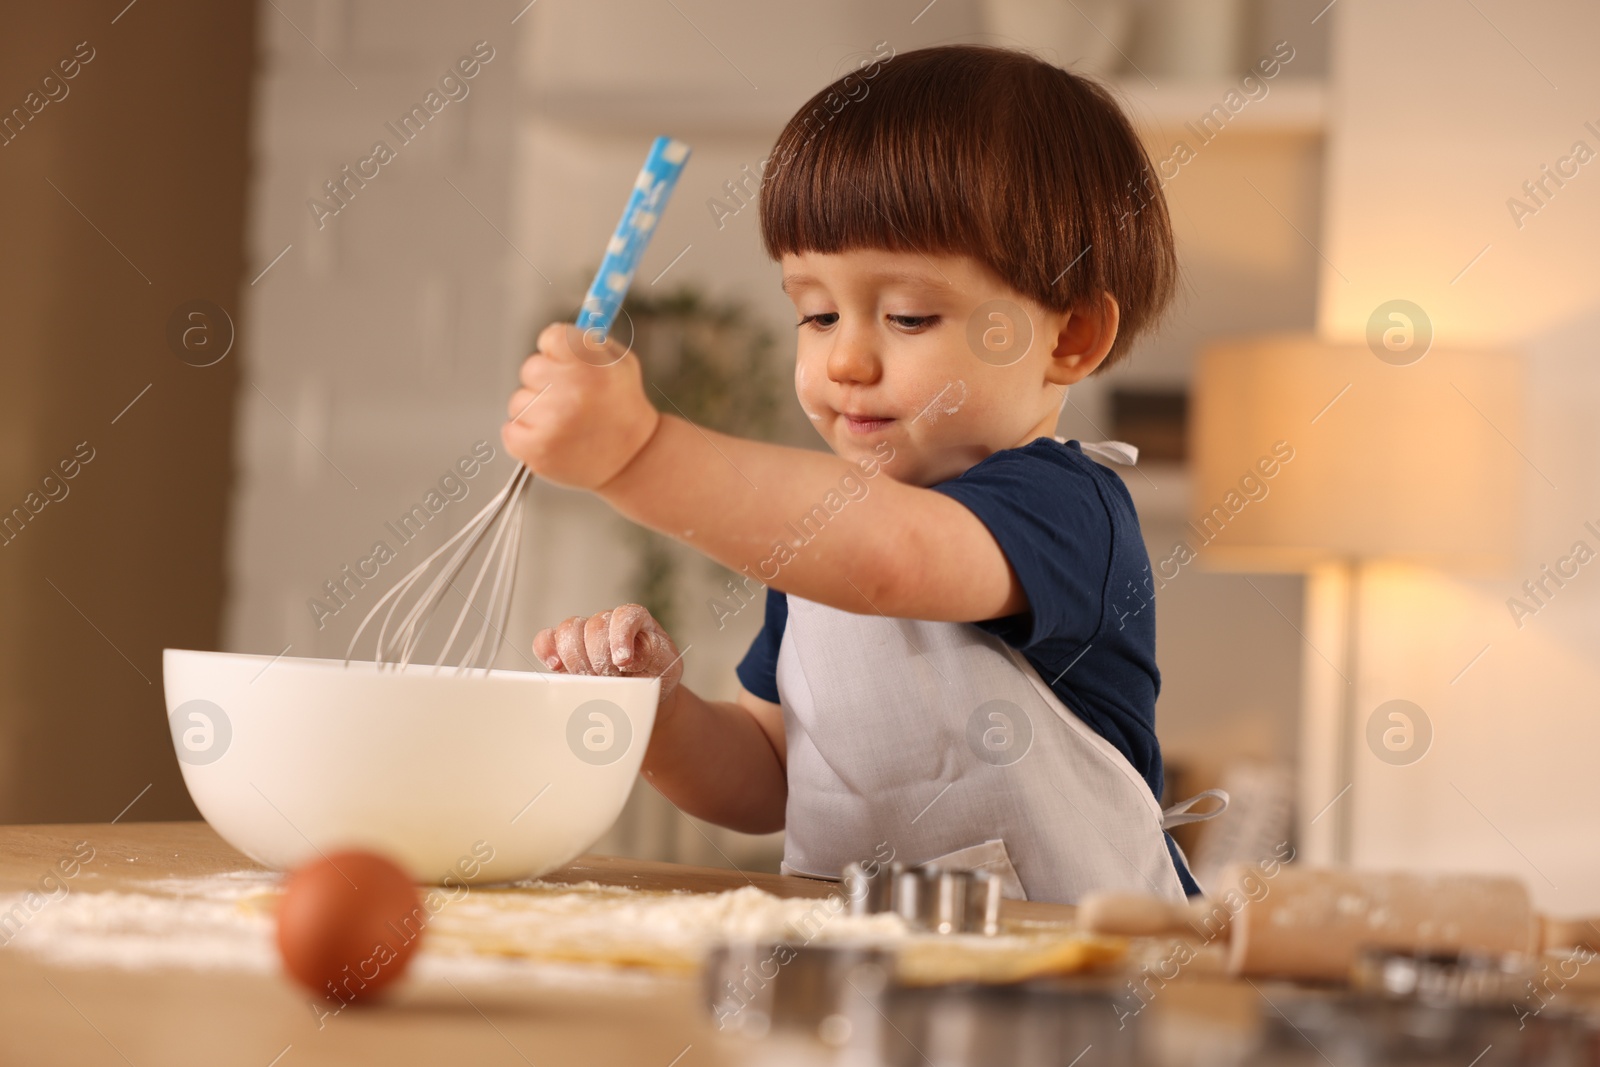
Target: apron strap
column 1181, row 813
column 1115, row 451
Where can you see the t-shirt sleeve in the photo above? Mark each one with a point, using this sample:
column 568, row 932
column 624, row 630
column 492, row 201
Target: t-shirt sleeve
column 1055, row 530
column 758, row 671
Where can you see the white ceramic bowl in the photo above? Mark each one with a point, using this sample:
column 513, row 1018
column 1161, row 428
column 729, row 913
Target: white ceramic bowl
column 472, row 778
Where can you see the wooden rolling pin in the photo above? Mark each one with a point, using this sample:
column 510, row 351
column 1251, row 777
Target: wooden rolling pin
column 1312, row 923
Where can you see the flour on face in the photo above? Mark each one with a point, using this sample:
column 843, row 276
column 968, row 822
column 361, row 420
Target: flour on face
column 946, row 401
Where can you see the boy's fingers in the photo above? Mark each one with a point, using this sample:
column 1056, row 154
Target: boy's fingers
column 597, row 643
column 535, row 372
column 656, row 650
column 558, row 342
column 596, row 347
column 512, row 436
column 521, row 402
column 544, row 646
column 563, row 342
column 569, row 644
column 519, row 437
column 626, row 622
column 626, row 639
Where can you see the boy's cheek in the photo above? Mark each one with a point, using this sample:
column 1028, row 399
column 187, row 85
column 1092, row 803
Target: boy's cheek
column 808, row 387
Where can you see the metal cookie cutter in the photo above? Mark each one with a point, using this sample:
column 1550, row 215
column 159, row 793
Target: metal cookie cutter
column 829, row 994
column 1462, row 978
column 928, row 897
column 1033, row 1024
column 1408, row 1007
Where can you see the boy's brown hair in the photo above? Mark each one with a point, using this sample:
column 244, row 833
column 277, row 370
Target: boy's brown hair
column 987, row 152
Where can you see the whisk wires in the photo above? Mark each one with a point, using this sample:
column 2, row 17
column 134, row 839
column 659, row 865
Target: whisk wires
column 500, row 525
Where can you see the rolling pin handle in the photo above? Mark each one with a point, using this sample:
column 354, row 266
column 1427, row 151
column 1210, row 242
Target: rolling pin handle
column 1571, row 934
column 1141, row 915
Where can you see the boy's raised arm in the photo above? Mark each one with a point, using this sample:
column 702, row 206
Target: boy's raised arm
column 582, row 419
column 788, row 517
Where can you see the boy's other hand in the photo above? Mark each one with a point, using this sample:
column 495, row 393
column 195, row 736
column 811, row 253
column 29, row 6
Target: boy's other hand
column 623, row 641
column 581, row 414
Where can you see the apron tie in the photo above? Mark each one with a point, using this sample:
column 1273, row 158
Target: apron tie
column 1116, row 451
column 1181, row 813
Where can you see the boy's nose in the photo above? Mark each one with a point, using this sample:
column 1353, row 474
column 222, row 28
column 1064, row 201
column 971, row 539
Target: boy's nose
column 853, row 361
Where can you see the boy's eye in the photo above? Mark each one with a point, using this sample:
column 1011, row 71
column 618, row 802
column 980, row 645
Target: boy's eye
column 823, row 320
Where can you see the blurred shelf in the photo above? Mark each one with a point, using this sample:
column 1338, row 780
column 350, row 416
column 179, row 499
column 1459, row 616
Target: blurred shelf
column 673, row 110
column 1291, row 106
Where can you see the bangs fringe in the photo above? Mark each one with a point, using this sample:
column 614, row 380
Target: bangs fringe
column 979, row 151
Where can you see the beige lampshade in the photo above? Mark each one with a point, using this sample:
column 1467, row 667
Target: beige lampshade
column 1305, row 451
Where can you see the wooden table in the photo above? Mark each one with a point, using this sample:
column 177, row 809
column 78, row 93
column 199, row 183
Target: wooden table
column 57, row 1015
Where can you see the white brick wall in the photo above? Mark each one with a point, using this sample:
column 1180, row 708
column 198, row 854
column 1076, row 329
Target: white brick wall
column 388, row 338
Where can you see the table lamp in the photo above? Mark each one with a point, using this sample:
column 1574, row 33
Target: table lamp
column 1308, row 454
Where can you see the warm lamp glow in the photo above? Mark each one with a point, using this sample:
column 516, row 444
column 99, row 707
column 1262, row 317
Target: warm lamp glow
column 1415, row 463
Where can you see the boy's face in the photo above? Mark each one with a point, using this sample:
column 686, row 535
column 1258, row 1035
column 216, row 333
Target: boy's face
column 933, row 354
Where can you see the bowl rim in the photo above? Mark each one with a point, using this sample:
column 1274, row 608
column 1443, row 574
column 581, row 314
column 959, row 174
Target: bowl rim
column 367, row 669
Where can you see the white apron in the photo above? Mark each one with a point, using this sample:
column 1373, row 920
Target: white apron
column 939, row 741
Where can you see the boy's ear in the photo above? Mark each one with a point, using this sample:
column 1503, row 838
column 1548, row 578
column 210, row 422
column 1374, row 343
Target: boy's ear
column 1083, row 340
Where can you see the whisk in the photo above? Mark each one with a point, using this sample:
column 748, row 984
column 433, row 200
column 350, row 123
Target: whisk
column 500, row 522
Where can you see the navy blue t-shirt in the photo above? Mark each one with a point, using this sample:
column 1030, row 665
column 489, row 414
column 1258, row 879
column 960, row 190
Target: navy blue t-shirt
column 1068, row 528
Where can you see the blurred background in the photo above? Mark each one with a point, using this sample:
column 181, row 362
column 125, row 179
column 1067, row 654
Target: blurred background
column 240, row 350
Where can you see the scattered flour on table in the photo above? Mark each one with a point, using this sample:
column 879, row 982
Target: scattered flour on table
column 541, row 931
column 192, row 922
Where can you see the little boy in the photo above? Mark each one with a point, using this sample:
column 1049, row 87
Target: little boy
column 958, row 655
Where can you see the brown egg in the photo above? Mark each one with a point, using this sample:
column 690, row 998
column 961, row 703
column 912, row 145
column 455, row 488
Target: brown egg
column 348, row 924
